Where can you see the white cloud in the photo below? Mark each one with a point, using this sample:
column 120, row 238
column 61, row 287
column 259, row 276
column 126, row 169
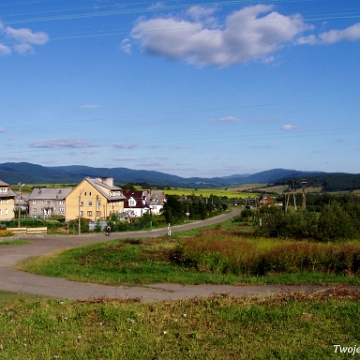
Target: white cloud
column 125, row 46
column 158, row 5
column 4, row 50
column 288, row 127
column 228, row 119
column 246, row 36
column 125, row 146
column 62, row 143
column 26, row 36
column 123, row 159
column 351, row 33
column 88, row 106
column 2, row 130
column 21, row 40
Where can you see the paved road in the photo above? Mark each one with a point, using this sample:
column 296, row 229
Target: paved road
column 14, row 280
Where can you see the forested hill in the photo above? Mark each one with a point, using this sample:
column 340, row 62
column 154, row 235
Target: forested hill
column 328, row 182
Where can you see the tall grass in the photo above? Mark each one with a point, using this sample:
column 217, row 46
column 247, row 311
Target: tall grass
column 219, row 253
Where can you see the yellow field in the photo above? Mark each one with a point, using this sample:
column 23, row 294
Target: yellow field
column 230, row 193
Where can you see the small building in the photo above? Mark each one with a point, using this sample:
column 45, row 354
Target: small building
column 7, row 202
column 135, row 203
column 45, row 202
column 155, row 200
column 94, row 199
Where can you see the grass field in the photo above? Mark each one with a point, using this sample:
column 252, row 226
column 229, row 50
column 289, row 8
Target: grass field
column 221, row 192
column 221, row 327
column 220, row 255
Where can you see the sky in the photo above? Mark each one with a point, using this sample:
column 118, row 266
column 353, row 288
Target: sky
column 190, row 88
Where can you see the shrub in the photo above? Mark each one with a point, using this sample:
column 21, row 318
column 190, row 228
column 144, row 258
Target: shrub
column 6, row 233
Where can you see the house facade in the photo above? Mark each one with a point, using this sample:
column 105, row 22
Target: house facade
column 135, row 204
column 155, row 200
column 94, row 199
column 45, row 202
column 7, row 202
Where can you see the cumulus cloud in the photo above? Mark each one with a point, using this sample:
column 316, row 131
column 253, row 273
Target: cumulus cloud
column 288, row 127
column 255, row 32
column 20, row 40
column 352, row 33
column 62, row 143
column 125, row 146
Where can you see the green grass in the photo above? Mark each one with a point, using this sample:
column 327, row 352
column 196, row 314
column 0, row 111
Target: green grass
column 290, row 327
column 14, row 242
column 8, row 298
column 203, row 260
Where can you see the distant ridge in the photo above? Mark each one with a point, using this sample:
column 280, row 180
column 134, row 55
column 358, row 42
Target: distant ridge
column 28, row 173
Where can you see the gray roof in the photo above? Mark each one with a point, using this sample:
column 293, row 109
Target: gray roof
column 49, row 193
column 102, row 187
column 9, row 193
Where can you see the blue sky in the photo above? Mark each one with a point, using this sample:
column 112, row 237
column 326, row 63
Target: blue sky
column 191, row 88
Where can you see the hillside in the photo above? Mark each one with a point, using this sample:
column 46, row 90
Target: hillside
column 28, row 173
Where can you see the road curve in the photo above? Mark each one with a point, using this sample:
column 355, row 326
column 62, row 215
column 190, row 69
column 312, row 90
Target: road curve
column 18, row 281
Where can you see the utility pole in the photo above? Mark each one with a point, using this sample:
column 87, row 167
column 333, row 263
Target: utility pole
column 303, row 183
column 19, row 204
column 292, row 191
column 79, row 224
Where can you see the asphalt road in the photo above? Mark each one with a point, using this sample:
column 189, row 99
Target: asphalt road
column 18, row 281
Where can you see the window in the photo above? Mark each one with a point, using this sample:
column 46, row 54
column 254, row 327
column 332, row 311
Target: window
column 89, row 213
column 34, row 202
column 85, row 193
column 90, row 193
column 62, row 209
column 98, row 213
column 34, row 209
column 7, row 201
column 98, row 203
column 81, row 203
column 61, row 202
column 0, row 211
column 6, row 211
column 81, row 213
column 89, row 203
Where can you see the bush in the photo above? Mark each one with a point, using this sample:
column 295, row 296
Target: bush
column 6, row 233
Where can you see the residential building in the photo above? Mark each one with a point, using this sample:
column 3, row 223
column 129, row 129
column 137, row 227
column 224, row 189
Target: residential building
column 94, row 199
column 155, row 200
column 45, row 202
column 7, row 202
column 135, row 203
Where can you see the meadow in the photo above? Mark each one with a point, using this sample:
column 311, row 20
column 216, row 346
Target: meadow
column 227, row 254
column 287, row 327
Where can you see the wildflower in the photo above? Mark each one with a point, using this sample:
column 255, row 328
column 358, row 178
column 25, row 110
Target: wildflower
column 1, row 347
column 79, row 337
column 184, row 315
column 165, row 332
column 25, row 345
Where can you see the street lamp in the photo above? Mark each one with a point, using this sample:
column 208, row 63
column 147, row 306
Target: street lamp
column 19, row 203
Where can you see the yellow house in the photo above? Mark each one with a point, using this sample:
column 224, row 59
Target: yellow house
column 94, row 199
column 7, row 202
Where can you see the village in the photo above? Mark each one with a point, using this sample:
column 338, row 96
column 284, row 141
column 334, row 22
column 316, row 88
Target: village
column 93, row 199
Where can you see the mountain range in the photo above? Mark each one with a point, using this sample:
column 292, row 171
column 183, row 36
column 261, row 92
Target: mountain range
column 13, row 173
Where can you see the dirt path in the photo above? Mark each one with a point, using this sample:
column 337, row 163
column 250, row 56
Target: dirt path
column 14, row 280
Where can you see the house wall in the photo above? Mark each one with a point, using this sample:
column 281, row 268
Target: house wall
column 7, row 206
column 36, row 207
column 91, row 203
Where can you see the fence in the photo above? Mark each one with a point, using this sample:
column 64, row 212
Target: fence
column 29, row 231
